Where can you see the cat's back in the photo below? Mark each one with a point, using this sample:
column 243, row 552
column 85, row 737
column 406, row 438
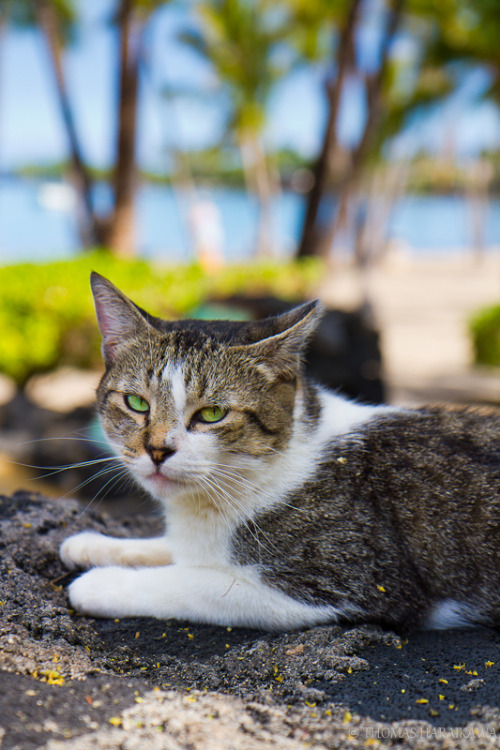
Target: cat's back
column 445, row 460
column 403, row 511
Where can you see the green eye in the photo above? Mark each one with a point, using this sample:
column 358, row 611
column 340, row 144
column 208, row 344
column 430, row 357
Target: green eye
column 136, row 403
column 211, row 414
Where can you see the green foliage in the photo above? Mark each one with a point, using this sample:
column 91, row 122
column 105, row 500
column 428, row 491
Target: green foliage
column 462, row 36
column 47, row 316
column 313, row 27
column 23, row 14
column 240, row 39
column 485, row 331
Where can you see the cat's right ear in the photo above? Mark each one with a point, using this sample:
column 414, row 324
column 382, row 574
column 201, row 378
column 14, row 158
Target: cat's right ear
column 117, row 316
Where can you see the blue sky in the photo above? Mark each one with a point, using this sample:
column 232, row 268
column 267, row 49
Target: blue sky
column 31, row 130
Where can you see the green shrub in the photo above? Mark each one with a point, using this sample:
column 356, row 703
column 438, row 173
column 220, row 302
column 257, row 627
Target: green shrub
column 485, row 331
column 47, row 315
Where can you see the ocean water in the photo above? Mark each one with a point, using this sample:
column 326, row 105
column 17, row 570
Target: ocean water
column 37, row 222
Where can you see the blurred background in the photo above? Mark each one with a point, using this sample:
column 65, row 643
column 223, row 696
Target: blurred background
column 229, row 158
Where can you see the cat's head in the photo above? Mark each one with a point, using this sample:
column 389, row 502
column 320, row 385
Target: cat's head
column 192, row 405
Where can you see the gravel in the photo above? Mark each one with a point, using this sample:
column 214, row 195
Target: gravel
column 73, row 682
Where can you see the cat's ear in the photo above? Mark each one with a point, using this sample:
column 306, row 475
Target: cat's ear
column 117, row 316
column 283, row 339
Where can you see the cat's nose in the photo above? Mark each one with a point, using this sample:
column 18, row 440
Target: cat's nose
column 158, row 455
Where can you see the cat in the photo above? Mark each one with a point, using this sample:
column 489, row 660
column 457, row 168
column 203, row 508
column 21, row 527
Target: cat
column 286, row 505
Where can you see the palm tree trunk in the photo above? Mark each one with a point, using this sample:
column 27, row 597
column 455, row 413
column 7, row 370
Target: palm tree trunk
column 374, row 85
column 121, row 236
column 310, row 236
column 89, row 226
column 258, row 181
column 264, row 195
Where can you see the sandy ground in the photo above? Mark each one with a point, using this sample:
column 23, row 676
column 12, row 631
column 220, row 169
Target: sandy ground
column 422, row 308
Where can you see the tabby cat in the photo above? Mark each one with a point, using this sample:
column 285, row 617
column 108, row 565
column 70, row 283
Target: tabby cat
column 285, row 505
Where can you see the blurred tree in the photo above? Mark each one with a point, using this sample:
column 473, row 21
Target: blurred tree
column 311, row 19
column 56, row 19
column 118, row 227
column 131, row 19
column 462, row 38
column 317, row 235
column 376, row 110
column 452, row 38
column 240, row 39
column 465, row 32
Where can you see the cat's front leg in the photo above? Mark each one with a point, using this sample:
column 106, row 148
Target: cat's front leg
column 89, row 549
column 198, row 594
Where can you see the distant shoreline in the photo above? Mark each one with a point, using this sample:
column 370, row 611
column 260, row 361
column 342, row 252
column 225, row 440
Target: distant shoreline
column 229, row 179
column 37, row 222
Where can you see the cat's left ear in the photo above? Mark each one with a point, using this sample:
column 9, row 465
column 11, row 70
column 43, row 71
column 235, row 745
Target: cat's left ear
column 119, row 319
column 280, row 350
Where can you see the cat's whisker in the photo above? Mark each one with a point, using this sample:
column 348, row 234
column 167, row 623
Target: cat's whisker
column 65, row 467
column 209, row 489
column 112, row 481
column 242, row 515
column 231, row 480
column 237, row 479
column 199, row 490
column 204, row 484
column 198, row 497
column 234, row 483
column 284, row 504
column 61, row 469
column 69, row 493
column 208, row 493
column 87, row 481
column 243, row 482
column 236, row 471
column 64, row 438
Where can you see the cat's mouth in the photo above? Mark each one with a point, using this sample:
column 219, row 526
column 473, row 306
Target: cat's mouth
column 163, row 480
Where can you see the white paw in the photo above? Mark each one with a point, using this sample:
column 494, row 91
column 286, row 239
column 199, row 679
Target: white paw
column 104, row 592
column 88, row 550
column 83, row 550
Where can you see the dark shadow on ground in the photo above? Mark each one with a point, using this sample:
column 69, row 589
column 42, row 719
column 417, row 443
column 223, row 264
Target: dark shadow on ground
column 435, row 676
